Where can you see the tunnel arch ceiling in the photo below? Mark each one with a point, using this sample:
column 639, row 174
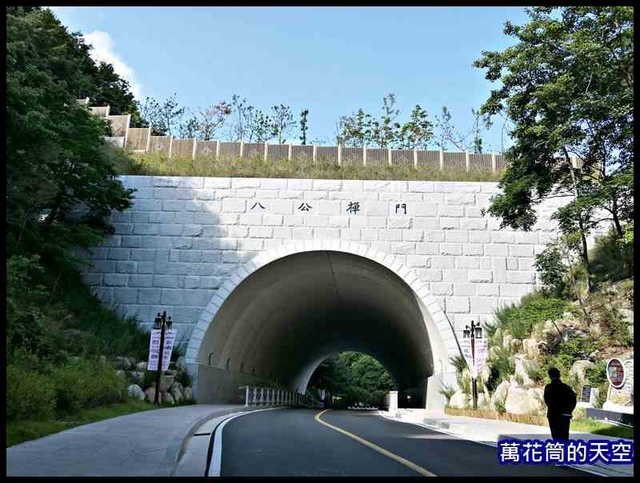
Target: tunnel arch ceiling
column 285, row 315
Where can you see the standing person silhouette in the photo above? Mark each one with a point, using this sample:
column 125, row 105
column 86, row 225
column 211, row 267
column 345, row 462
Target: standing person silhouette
column 561, row 401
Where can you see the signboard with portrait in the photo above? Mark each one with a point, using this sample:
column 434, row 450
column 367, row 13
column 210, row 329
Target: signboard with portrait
column 615, row 373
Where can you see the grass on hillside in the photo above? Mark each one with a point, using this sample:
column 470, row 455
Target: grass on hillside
column 25, row 430
column 160, row 164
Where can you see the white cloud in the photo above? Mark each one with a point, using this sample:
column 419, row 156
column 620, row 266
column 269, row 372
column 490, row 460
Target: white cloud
column 103, row 51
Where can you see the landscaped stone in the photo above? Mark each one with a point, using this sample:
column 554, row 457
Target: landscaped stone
column 181, row 364
column 500, row 394
column 150, row 394
column 522, row 365
column 166, row 398
column 135, row 392
column 188, row 393
column 579, row 369
column 520, row 401
column 459, row 400
column 141, row 366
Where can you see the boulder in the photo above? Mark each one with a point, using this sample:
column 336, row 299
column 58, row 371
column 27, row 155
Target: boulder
column 188, row 393
column 165, row 382
column 181, row 364
column 120, row 373
column 135, row 392
column 579, row 369
column 500, row 394
column 137, row 377
column 531, row 348
column 141, row 366
column 520, row 401
column 459, row 400
column 537, row 395
column 150, row 394
column 166, row 398
column 176, row 392
column 522, row 365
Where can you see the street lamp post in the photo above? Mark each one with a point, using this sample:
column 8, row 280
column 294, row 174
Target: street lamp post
column 474, row 332
column 161, row 322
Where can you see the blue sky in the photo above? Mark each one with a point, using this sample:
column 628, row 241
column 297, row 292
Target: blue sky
column 331, row 61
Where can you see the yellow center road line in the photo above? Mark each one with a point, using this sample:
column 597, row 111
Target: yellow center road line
column 375, row 447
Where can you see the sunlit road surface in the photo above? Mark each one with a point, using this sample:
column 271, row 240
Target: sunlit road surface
column 302, row 442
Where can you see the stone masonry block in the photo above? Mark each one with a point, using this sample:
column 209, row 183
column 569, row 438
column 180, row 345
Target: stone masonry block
column 456, row 236
column 261, row 232
column 140, row 281
column 234, row 205
column 483, row 276
column 299, row 184
column 455, row 275
column 520, row 277
column 449, row 223
column 457, row 305
column 442, row 262
column 399, row 222
column 502, row 237
column 165, row 281
column 390, row 235
column 467, row 262
column 520, row 250
column 450, row 248
column 314, row 220
column 472, row 249
column 429, row 275
column 442, row 288
column 149, row 296
column 119, row 254
column 116, row 279
column 413, row 235
column 245, row 183
column 281, row 207
column 327, row 233
column 459, row 199
column 473, row 224
column 423, row 209
column 427, row 248
column 327, row 184
column 282, row 232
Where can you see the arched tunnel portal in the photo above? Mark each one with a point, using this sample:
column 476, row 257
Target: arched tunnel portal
column 285, row 318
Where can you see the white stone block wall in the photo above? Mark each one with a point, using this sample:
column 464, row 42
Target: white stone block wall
column 185, row 236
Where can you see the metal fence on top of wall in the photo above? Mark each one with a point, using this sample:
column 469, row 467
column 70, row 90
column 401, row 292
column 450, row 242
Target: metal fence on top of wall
column 139, row 140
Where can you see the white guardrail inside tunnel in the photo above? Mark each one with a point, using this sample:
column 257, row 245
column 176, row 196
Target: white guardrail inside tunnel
column 266, row 396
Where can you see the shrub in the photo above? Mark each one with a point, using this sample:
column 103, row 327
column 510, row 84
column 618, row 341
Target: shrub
column 534, row 372
column 86, row 384
column 519, row 320
column 500, row 407
column 30, row 395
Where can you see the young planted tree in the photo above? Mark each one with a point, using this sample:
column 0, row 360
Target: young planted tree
column 164, row 119
column 303, row 126
column 211, row 119
column 417, row 132
column 282, row 122
column 567, row 86
column 243, row 119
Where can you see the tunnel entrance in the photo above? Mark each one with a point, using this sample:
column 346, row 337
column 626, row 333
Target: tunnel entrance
column 285, row 318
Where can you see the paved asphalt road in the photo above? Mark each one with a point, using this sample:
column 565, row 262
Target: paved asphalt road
column 292, row 442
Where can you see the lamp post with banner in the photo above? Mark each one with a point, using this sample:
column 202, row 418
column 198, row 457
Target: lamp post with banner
column 475, row 352
column 160, row 347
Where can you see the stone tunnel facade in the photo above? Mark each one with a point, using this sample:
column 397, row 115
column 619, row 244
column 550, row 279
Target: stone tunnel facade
column 188, row 243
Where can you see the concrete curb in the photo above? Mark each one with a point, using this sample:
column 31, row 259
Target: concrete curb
column 178, row 444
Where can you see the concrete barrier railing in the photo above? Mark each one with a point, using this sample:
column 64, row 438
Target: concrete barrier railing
column 266, row 396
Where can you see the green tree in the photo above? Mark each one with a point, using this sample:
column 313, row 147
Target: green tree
column 163, row 118
column 567, row 86
column 61, row 182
